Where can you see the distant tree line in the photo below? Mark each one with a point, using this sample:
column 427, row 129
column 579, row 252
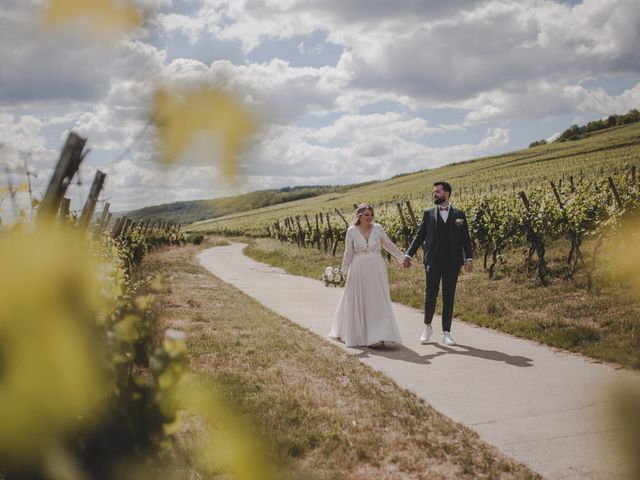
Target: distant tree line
column 574, row 132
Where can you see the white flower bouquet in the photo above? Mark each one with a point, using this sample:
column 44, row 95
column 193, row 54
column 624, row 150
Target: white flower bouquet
column 332, row 277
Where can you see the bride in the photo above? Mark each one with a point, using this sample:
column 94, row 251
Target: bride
column 364, row 316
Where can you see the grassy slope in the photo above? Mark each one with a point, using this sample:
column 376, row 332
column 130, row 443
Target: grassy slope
column 193, row 211
column 604, row 151
column 321, row 413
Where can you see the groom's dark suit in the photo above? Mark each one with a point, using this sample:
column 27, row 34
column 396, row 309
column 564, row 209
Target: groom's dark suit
column 446, row 246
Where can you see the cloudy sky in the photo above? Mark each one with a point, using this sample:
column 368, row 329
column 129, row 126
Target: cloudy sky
column 343, row 90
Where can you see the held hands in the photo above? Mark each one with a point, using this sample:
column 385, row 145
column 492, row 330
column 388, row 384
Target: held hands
column 406, row 263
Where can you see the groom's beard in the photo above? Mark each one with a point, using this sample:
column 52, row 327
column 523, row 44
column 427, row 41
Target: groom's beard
column 438, row 200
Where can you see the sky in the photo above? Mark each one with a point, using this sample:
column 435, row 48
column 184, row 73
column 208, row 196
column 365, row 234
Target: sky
column 342, row 91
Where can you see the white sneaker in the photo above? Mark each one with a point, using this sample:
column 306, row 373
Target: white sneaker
column 426, row 334
column 447, row 340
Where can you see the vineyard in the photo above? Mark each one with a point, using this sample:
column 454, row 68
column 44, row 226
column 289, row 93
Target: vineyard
column 523, row 198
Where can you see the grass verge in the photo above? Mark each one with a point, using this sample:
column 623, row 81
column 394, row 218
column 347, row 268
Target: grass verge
column 603, row 324
column 320, row 412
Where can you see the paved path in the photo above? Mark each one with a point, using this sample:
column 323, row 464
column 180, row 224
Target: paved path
column 545, row 408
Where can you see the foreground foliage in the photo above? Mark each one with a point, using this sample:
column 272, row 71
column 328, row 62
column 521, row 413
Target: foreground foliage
column 88, row 390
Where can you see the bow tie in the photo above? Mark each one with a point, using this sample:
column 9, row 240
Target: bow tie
column 443, row 209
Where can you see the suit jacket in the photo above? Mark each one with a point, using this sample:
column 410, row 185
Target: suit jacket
column 459, row 238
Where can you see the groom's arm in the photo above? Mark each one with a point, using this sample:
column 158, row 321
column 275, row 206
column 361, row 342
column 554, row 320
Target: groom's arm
column 419, row 237
column 467, row 245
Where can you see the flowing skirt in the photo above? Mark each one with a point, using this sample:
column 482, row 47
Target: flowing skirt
column 365, row 315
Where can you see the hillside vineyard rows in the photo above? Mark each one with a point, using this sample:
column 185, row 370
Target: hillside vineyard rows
column 567, row 189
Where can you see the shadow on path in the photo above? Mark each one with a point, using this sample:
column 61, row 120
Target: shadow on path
column 400, row 352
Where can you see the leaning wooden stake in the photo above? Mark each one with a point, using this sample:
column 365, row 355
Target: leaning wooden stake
column 103, row 218
column 413, row 216
column 65, row 203
column 90, row 204
column 616, row 195
column 68, row 164
column 342, row 217
column 405, row 229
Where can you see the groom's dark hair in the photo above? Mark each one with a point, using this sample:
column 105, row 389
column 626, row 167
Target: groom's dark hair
column 445, row 186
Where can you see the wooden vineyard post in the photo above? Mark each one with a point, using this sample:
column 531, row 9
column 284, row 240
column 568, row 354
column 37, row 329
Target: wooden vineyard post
column 336, row 240
column 68, row 164
column 405, row 233
column 300, row 232
column 342, row 217
column 64, row 209
column 117, row 227
column 108, row 220
column 616, row 195
column 310, row 238
column 277, row 225
column 103, row 218
column 329, row 235
column 536, row 242
column 90, row 204
column 126, row 224
column 317, row 233
column 413, row 217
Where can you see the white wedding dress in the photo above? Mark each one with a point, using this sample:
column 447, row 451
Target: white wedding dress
column 365, row 315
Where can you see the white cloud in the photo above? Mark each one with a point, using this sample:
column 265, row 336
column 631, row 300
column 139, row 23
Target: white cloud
column 410, row 74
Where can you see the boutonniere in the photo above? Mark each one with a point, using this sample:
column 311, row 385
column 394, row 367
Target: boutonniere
column 459, row 222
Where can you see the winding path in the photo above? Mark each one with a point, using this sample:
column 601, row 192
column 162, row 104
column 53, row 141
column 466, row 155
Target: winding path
column 546, row 408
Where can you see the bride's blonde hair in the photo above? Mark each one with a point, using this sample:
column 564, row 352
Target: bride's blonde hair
column 363, row 207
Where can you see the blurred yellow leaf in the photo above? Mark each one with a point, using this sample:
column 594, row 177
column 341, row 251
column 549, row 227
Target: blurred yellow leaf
column 626, row 257
column 23, row 187
column 51, row 373
column 179, row 116
column 103, row 15
column 128, row 329
column 229, row 445
column 625, row 408
column 143, row 302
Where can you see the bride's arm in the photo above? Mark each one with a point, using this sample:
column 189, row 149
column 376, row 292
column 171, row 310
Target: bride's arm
column 389, row 246
column 348, row 251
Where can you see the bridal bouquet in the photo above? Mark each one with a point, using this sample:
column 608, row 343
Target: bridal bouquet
column 332, row 277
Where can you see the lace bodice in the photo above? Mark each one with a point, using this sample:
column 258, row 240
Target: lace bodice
column 355, row 244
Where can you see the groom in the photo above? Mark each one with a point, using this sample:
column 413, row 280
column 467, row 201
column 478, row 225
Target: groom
column 445, row 235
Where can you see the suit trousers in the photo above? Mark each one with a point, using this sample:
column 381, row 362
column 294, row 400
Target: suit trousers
column 447, row 274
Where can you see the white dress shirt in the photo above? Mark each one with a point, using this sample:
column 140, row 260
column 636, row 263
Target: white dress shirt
column 444, row 212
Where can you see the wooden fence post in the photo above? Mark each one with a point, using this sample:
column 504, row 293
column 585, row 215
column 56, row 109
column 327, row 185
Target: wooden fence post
column 413, row 217
column 317, row 233
column 343, row 219
column 616, row 195
column 64, row 209
column 300, row 232
column 103, row 218
column 329, row 235
column 306, row 219
column 92, row 199
column 67, row 166
column 405, row 233
column 117, row 227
